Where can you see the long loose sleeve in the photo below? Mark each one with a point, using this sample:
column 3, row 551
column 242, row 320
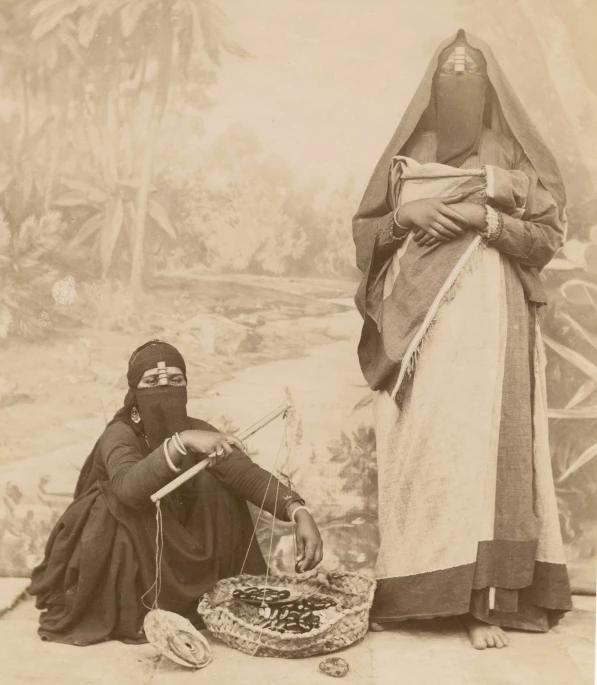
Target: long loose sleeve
column 375, row 245
column 244, row 478
column 241, row 476
column 374, row 240
column 532, row 239
column 134, row 477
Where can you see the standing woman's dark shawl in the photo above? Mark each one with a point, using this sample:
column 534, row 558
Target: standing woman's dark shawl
column 372, row 225
column 468, row 515
column 100, row 557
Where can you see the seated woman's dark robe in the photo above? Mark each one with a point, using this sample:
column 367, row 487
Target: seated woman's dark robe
column 100, row 557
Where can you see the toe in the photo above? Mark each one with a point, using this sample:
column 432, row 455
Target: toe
column 501, row 639
column 479, row 643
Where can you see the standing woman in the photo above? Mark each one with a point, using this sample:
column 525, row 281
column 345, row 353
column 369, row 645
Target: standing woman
column 100, row 558
column 452, row 348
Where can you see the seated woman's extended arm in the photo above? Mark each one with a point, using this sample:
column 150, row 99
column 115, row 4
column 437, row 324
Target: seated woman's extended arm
column 134, row 478
column 256, row 485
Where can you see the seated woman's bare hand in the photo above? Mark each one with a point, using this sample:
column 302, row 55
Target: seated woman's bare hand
column 309, row 545
column 432, row 220
column 209, row 442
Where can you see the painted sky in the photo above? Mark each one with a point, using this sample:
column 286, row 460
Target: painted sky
column 328, row 79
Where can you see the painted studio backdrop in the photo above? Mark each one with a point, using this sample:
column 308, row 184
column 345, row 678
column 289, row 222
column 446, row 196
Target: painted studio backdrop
column 188, row 170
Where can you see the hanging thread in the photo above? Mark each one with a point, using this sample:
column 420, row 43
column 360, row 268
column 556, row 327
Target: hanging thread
column 283, row 443
column 159, row 540
column 271, row 475
column 159, row 550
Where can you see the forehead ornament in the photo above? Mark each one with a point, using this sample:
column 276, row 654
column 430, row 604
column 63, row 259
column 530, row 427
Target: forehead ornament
column 460, row 61
column 162, row 373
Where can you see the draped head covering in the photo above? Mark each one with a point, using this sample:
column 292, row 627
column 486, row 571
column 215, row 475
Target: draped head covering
column 503, row 111
column 145, row 358
column 456, row 107
column 162, row 410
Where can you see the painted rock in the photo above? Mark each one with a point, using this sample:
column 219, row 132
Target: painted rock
column 335, row 667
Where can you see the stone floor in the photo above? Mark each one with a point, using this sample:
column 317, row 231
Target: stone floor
column 423, row 654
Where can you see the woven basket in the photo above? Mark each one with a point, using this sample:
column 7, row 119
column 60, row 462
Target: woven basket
column 234, row 621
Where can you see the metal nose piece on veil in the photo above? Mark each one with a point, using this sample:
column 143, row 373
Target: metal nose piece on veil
column 162, row 374
column 459, row 59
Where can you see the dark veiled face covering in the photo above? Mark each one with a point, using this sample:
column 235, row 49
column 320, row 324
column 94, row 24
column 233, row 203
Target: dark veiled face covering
column 163, row 412
column 460, row 87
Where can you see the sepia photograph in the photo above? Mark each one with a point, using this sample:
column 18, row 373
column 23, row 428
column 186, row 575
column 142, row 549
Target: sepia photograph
column 298, row 342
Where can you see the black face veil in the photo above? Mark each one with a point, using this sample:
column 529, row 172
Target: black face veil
column 162, row 410
column 460, row 90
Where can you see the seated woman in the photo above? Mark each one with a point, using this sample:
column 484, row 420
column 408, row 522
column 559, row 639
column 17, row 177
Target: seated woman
column 100, row 558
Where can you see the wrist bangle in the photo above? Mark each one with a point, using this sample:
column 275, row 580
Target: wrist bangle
column 399, row 226
column 178, row 444
column 495, row 225
column 169, row 461
column 301, row 506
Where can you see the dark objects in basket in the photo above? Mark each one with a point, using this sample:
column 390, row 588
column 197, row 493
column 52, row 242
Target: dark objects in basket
column 242, row 624
column 261, row 595
column 298, row 616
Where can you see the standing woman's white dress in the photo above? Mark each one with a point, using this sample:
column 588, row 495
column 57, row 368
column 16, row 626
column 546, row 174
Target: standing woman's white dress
column 452, row 347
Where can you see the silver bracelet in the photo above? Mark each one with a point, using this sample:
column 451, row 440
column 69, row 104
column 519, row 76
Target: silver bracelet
column 494, row 225
column 169, row 461
column 398, row 225
column 301, row 506
column 178, row 444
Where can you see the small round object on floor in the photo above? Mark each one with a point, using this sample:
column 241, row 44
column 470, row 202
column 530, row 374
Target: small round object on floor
column 176, row 638
column 335, row 667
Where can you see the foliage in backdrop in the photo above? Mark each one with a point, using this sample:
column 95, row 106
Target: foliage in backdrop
column 570, row 327
column 98, row 94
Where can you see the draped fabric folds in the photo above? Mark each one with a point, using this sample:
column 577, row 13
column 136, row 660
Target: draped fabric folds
column 452, row 348
column 100, row 557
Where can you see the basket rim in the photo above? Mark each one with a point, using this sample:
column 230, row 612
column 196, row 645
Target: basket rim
column 206, row 610
column 299, row 642
column 256, row 632
column 294, row 578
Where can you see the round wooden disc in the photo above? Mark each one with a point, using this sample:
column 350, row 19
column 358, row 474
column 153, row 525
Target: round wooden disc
column 177, row 639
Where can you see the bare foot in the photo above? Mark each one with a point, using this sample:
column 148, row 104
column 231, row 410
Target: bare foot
column 482, row 635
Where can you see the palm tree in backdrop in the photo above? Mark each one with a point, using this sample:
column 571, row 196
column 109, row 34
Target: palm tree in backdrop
column 134, row 57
